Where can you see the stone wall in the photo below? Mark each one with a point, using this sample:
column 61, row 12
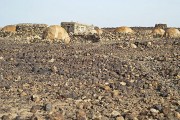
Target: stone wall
column 113, row 36
column 111, row 29
column 30, row 30
column 162, row 26
column 109, row 36
column 140, row 33
column 5, row 34
column 26, row 31
column 34, row 32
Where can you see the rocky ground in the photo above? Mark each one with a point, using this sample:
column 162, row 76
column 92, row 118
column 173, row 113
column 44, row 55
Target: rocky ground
column 120, row 80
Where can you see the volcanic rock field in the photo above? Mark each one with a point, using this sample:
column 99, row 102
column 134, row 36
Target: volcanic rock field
column 111, row 78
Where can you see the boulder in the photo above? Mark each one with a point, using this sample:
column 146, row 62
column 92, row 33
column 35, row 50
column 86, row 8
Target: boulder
column 9, row 28
column 56, row 32
column 172, row 33
column 99, row 31
column 158, row 32
column 124, row 30
column 93, row 32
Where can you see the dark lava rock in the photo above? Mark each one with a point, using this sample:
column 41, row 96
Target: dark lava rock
column 18, row 118
column 164, row 94
column 48, row 107
column 33, row 117
column 158, row 107
column 5, row 117
column 35, row 108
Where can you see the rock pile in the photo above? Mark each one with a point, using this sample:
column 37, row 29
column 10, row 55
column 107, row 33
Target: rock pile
column 8, row 31
column 111, row 36
column 99, row 31
column 23, row 31
column 6, row 34
column 30, row 30
column 85, row 38
column 107, row 36
column 35, row 32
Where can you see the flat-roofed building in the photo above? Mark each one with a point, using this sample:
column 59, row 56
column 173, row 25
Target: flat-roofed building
column 77, row 28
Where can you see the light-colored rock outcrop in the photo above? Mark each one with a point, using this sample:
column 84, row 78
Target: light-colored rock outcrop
column 124, row 29
column 172, row 33
column 93, row 32
column 56, row 32
column 9, row 28
column 158, row 32
column 99, row 31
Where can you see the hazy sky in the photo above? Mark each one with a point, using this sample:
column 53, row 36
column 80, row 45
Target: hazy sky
column 103, row 13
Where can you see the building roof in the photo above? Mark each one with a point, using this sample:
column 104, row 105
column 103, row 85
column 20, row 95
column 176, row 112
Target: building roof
column 75, row 23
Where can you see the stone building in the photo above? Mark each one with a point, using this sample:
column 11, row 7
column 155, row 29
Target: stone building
column 77, row 28
column 162, row 26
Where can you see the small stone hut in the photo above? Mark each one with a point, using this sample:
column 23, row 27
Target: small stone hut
column 77, row 28
column 161, row 26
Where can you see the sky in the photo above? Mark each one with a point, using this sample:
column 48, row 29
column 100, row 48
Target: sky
column 102, row 13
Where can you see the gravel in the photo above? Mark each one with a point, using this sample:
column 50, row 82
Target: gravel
column 101, row 80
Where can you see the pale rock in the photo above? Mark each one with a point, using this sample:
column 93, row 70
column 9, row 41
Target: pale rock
column 35, row 98
column 52, row 60
column 132, row 45
column 115, row 113
column 120, row 118
column 56, row 32
column 123, row 83
column 154, row 110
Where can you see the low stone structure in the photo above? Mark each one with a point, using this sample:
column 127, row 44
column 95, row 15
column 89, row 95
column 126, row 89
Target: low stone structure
column 108, row 36
column 77, row 28
column 98, row 31
column 162, row 26
column 25, row 31
column 30, row 29
column 34, row 33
